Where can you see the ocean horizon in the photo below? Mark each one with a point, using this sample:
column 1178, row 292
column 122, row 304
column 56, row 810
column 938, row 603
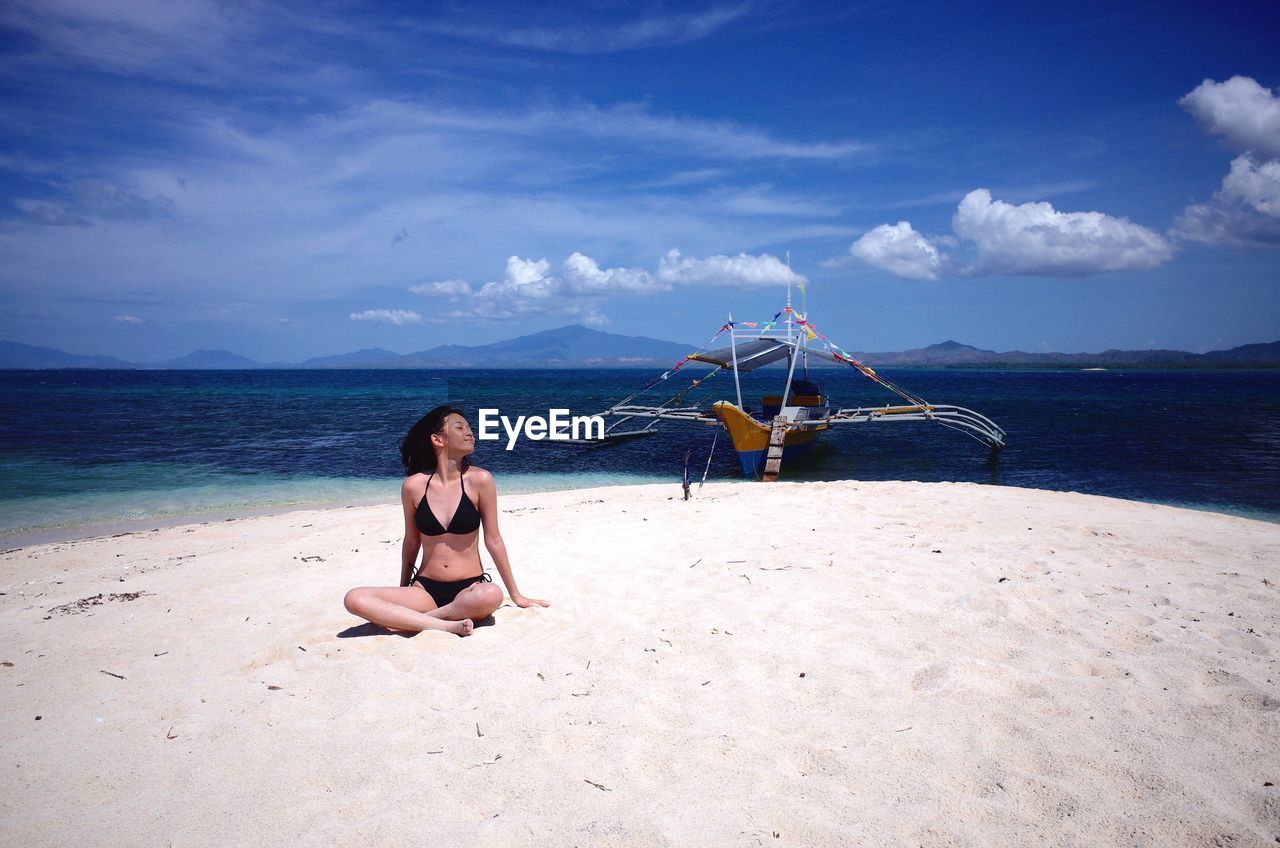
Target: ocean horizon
column 92, row 452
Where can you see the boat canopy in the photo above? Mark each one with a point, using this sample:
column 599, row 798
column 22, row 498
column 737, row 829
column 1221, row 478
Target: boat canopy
column 754, row 354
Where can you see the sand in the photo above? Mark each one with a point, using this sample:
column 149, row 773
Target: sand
column 787, row 664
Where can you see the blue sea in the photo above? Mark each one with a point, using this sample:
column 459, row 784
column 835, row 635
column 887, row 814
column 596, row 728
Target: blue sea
column 85, row 450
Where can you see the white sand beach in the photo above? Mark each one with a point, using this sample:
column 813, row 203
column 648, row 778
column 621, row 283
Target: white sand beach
column 787, row 664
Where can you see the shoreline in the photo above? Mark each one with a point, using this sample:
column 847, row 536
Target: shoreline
column 886, row 663
column 26, row 537
column 130, row 527
column 10, row 542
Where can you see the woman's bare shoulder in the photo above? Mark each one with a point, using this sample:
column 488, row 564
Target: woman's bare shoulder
column 479, row 476
column 414, row 484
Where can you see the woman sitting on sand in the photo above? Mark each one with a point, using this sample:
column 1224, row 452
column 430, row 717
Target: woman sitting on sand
column 450, row 590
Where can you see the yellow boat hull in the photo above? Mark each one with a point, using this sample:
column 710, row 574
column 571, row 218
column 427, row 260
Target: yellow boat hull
column 750, row 438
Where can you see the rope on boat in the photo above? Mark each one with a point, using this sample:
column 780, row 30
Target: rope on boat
column 673, row 369
column 680, row 395
column 844, row 356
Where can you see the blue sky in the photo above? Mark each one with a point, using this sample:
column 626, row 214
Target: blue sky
column 291, row 180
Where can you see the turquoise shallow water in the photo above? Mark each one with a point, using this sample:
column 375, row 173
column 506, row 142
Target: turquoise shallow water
column 91, row 449
column 117, row 496
column 128, row 493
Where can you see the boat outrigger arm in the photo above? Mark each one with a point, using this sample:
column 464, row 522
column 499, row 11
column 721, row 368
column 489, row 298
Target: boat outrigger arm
column 800, row 415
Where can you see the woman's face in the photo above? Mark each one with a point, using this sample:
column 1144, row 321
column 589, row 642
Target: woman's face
column 457, row 436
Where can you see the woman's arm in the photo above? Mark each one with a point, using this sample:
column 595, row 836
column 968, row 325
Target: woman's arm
column 488, row 494
column 412, row 539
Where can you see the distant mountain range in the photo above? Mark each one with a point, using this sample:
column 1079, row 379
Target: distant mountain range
column 951, row 354
column 576, row 346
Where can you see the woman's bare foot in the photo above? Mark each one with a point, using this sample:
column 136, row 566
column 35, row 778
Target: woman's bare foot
column 457, row 628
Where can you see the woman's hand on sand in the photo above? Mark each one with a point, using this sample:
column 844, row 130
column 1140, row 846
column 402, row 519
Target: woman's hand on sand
column 522, row 602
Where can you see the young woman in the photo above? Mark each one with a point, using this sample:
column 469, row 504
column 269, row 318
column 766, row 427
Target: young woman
column 446, row 501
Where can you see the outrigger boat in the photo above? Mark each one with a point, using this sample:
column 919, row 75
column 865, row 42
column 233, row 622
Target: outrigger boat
column 788, row 424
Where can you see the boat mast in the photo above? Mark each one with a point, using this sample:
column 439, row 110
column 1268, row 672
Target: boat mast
column 804, row 307
column 733, row 347
column 791, row 349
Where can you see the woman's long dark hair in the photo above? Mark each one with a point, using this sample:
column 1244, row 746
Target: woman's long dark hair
column 416, row 451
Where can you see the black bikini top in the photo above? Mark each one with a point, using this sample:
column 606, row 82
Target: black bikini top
column 466, row 518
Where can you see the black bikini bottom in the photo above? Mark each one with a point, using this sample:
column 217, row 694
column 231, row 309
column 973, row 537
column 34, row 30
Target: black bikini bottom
column 444, row 591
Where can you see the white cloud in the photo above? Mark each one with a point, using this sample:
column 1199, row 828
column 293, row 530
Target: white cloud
column 627, row 125
column 443, row 288
column 390, row 316
column 1245, row 212
column 529, row 290
column 526, row 291
column 574, row 37
column 526, row 279
column 127, row 319
column 1224, row 224
column 900, row 250
column 1240, row 110
column 1031, row 238
column 636, row 124
column 583, row 274
column 1254, row 185
column 1034, row 238
column 743, row 271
